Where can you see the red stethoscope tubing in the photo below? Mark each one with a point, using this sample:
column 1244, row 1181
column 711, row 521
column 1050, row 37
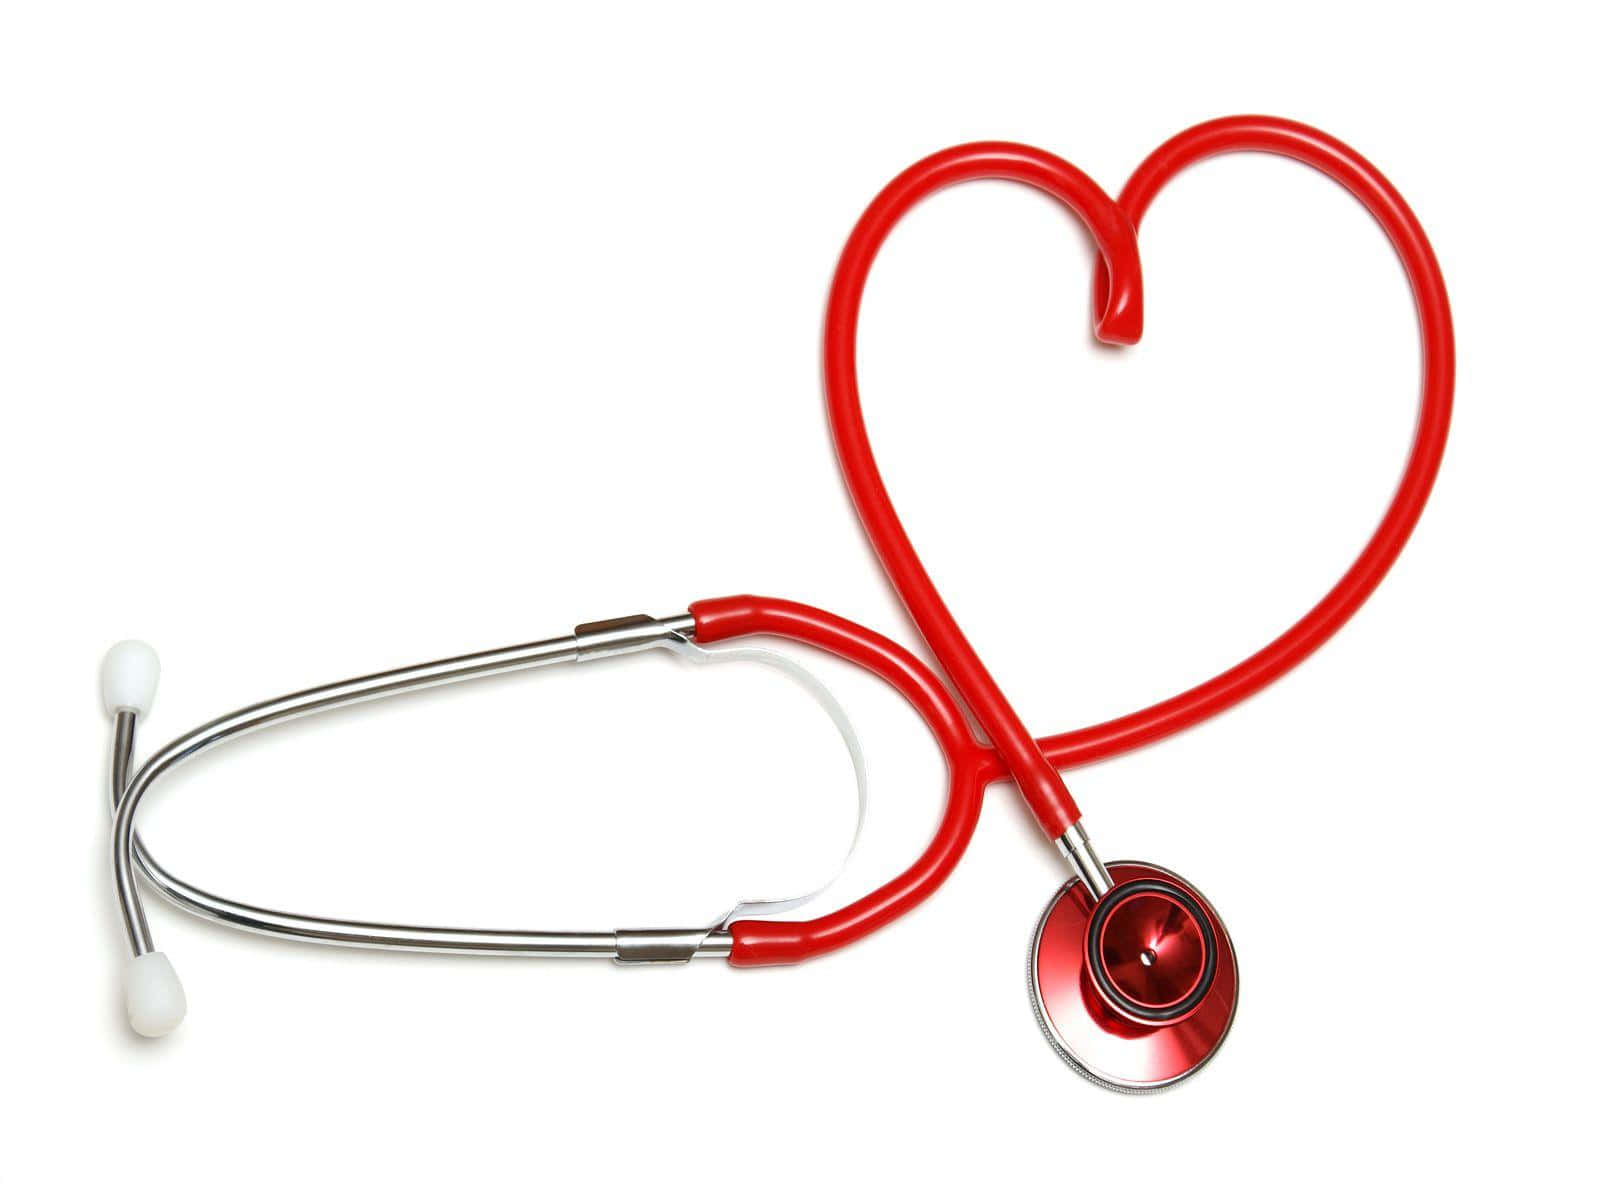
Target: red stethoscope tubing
column 757, row 942
column 1120, row 320
column 1118, row 291
column 1119, row 306
column 1339, row 162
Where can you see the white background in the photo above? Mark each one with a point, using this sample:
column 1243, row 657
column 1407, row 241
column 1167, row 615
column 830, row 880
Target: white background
column 334, row 337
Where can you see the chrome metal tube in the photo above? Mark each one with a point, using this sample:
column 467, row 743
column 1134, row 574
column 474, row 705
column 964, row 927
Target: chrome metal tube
column 1075, row 845
column 128, row 850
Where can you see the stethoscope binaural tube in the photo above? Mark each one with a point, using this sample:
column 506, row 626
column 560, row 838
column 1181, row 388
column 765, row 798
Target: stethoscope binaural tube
column 153, row 995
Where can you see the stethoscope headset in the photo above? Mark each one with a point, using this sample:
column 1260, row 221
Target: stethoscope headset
column 1133, row 975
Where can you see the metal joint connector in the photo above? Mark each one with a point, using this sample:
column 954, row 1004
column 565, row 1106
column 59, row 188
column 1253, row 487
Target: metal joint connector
column 1075, row 846
column 647, row 946
column 623, row 635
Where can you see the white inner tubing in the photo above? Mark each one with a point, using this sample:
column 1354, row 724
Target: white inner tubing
column 829, row 703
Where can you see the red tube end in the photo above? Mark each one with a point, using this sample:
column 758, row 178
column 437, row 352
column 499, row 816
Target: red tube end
column 1121, row 321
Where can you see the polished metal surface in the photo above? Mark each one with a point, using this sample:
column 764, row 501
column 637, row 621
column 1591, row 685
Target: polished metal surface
column 602, row 639
column 654, row 946
column 624, row 635
column 1075, row 846
column 1150, row 953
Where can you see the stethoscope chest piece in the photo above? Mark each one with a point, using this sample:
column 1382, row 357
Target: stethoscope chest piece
column 1136, row 991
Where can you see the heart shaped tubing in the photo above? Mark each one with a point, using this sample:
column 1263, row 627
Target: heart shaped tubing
column 1120, row 320
column 1034, row 764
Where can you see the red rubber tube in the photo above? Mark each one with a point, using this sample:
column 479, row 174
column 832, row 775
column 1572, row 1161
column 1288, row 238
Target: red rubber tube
column 767, row 942
column 1120, row 320
column 1118, row 295
column 1274, row 135
column 1119, row 302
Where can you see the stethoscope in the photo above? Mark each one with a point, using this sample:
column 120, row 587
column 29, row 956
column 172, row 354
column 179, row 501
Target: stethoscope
column 1133, row 976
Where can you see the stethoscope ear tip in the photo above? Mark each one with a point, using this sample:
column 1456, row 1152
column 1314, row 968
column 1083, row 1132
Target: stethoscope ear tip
column 128, row 676
column 153, row 995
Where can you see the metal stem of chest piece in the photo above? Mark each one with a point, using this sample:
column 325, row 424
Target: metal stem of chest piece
column 1075, row 846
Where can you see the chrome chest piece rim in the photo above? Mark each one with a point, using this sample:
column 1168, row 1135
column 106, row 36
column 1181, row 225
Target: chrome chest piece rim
column 1089, row 1035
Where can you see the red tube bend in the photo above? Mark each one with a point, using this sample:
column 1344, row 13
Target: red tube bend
column 763, row 942
column 1119, row 319
column 1333, row 158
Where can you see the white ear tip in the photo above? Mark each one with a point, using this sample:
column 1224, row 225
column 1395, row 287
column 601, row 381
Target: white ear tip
column 128, row 676
column 154, row 996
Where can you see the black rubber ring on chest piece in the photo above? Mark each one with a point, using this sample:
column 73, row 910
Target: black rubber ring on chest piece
column 1096, row 932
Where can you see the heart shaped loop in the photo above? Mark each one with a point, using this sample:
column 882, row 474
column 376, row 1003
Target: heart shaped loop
column 1120, row 320
column 1118, row 301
